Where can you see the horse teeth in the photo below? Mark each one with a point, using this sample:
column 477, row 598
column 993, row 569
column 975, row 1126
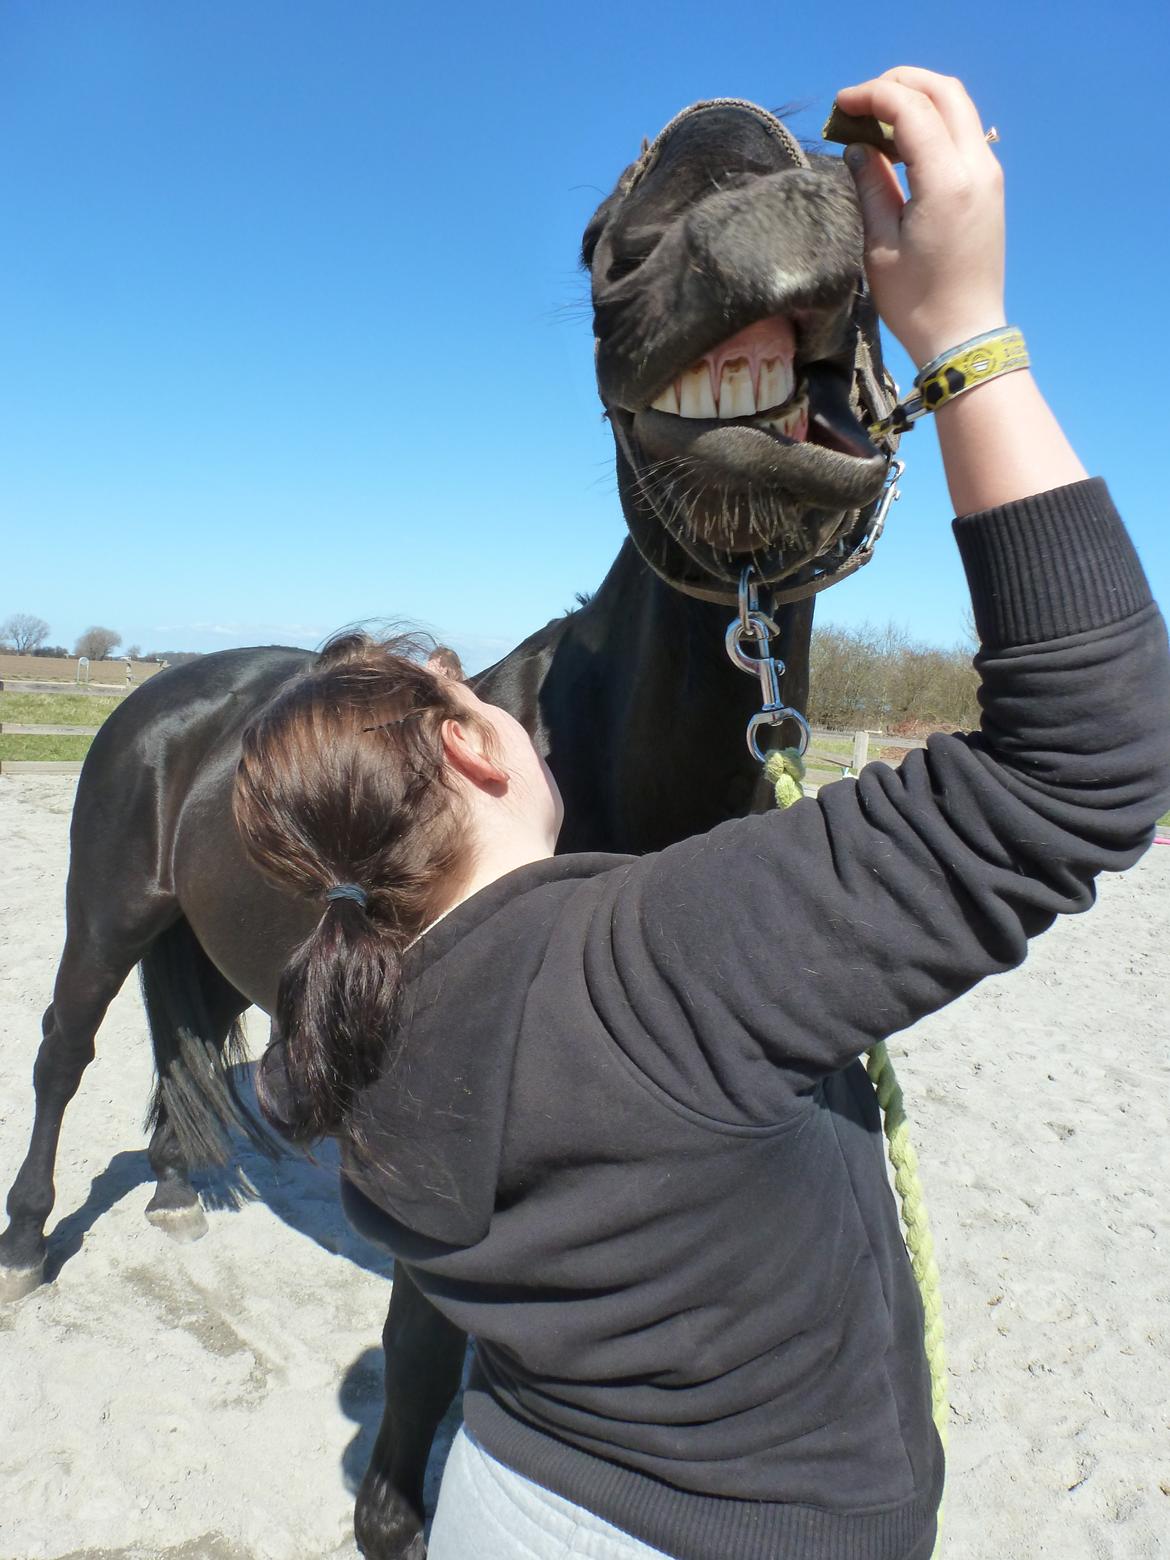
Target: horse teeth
column 777, row 382
column 692, row 395
column 736, row 398
column 793, row 424
column 695, row 398
column 667, row 401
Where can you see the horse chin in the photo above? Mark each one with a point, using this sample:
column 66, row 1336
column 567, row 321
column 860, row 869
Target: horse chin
column 756, row 523
column 743, row 491
column 830, row 465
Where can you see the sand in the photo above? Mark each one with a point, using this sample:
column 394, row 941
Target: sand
column 217, row 1401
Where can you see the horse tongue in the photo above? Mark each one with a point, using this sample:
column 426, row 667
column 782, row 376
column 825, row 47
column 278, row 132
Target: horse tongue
column 768, row 348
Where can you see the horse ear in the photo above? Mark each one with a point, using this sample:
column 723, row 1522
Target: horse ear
column 645, row 144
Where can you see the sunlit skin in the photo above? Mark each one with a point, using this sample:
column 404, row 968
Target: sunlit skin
column 514, row 808
column 1000, row 442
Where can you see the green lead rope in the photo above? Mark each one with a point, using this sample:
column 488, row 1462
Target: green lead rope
column 784, row 768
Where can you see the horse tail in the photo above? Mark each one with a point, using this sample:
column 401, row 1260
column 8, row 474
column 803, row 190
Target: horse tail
column 194, row 1014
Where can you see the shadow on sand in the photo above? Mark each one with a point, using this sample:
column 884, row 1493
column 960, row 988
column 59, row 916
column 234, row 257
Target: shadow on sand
column 360, row 1398
column 300, row 1189
column 123, row 1173
column 303, row 1192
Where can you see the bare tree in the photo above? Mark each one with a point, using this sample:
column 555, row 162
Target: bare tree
column 24, row 632
column 134, row 653
column 970, row 639
column 880, row 678
column 172, row 657
column 96, row 643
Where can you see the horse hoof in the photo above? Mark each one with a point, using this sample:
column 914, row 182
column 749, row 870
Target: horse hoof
column 181, row 1224
column 386, row 1525
column 15, row 1283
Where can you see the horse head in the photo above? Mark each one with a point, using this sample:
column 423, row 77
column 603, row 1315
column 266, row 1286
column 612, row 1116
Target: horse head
column 738, row 356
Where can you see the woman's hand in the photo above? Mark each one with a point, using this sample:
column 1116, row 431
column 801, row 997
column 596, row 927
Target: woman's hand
column 935, row 262
column 935, row 267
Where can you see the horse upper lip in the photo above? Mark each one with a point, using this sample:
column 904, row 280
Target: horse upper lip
column 749, row 372
column 752, row 370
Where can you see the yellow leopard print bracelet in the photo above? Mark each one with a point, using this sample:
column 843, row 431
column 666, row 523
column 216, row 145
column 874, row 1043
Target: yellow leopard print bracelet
column 960, row 368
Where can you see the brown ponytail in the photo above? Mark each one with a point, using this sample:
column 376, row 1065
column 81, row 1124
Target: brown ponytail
column 342, row 781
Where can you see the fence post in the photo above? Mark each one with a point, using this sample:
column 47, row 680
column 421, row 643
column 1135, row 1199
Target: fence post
column 860, row 751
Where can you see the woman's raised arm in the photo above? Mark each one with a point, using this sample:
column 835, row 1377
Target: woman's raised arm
column 738, row 967
column 935, row 265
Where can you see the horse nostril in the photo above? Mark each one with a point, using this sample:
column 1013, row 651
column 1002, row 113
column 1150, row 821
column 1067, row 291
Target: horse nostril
column 623, row 266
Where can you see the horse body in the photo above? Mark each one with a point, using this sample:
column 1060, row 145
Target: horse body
column 632, row 699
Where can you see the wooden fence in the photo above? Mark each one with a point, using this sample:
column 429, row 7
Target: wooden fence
column 816, row 756
column 52, row 766
column 7, row 729
column 77, row 690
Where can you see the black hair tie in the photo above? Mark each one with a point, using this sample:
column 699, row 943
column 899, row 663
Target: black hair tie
column 348, row 891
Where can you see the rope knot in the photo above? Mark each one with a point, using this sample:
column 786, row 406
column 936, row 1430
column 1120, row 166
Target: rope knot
column 784, row 768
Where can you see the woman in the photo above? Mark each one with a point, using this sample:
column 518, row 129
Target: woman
column 610, row 1109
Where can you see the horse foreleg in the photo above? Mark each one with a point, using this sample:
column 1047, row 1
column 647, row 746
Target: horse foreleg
column 424, row 1364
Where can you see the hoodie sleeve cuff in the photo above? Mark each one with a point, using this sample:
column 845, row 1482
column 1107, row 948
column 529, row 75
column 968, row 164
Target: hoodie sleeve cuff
column 1051, row 565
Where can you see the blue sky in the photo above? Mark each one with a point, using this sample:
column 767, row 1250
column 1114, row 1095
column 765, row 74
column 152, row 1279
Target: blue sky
column 293, row 333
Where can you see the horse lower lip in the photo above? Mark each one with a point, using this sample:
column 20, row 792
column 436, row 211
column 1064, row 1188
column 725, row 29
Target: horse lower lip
column 738, row 457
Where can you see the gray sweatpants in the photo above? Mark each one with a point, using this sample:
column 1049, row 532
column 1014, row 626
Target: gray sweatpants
column 488, row 1512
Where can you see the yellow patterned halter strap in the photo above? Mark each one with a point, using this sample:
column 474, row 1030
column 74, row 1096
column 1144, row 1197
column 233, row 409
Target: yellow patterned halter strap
column 959, row 369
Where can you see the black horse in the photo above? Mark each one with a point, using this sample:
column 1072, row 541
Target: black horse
column 738, row 362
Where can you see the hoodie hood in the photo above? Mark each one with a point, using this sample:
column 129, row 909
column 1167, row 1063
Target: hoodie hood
column 426, row 1136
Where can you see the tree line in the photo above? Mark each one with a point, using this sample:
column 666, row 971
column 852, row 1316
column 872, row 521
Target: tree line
column 879, row 679
column 24, row 634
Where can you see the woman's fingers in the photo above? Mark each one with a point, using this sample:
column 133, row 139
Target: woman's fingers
column 880, row 196
column 950, row 98
column 935, row 264
column 924, row 139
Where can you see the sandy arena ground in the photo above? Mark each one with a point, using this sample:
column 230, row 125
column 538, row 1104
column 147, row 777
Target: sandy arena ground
column 218, row 1401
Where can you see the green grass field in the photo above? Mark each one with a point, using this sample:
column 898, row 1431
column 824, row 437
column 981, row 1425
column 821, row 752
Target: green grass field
column 42, row 748
column 64, row 709
column 51, row 709
column 55, row 709
column 819, row 773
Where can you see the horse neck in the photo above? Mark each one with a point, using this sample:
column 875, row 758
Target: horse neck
column 675, row 708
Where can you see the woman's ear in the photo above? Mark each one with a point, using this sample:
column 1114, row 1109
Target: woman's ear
column 465, row 750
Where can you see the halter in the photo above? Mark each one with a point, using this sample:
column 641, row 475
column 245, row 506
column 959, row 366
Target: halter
column 776, row 128
column 753, row 625
column 697, row 568
column 848, row 551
